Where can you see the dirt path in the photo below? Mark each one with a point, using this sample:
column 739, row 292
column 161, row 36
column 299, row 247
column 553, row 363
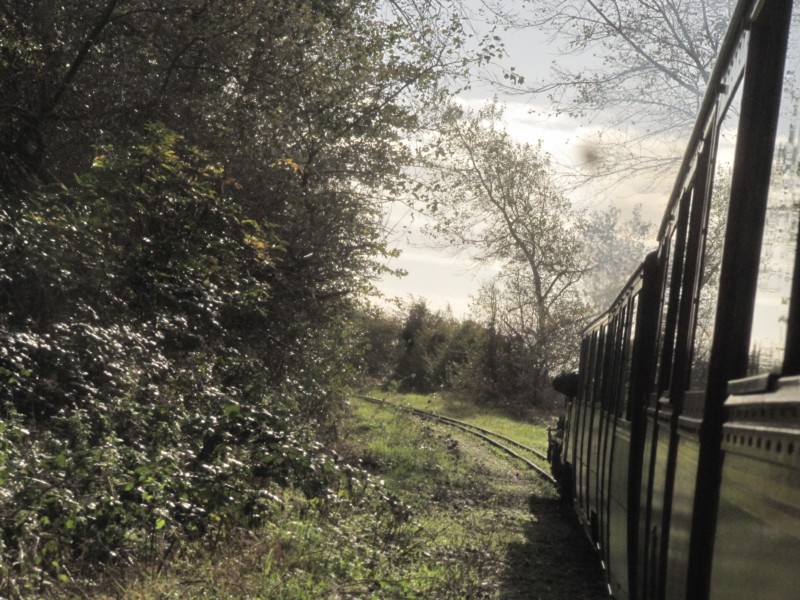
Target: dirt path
column 546, row 555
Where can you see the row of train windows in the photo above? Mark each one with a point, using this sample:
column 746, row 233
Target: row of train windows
column 778, row 247
column 608, row 358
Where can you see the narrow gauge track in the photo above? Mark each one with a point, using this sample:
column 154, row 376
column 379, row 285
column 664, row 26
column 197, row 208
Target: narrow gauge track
column 488, row 436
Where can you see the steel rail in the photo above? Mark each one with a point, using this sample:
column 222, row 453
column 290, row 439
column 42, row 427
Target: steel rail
column 474, row 430
column 489, row 432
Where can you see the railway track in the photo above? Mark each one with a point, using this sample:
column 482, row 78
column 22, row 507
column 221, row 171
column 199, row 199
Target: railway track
column 495, row 439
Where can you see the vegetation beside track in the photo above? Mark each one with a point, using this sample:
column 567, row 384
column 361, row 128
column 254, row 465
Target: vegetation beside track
column 442, row 516
column 484, row 514
column 529, row 429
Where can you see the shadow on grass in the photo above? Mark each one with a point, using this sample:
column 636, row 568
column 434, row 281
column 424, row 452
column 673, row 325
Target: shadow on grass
column 458, row 409
column 463, row 410
column 556, row 561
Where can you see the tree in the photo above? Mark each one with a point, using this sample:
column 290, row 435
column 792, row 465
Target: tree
column 496, row 198
column 191, row 207
column 614, row 250
column 302, row 103
column 448, row 30
column 378, row 346
column 422, row 340
column 643, row 75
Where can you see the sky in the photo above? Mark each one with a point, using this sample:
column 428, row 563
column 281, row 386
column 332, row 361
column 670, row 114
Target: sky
column 446, row 280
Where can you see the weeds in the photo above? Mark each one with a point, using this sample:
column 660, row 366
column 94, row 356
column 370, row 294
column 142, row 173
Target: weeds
column 437, row 516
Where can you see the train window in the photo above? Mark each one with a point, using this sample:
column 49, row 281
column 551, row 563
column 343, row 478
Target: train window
column 599, row 364
column 770, row 315
column 622, row 359
column 591, row 371
column 673, row 292
column 616, row 360
column 663, row 365
column 627, row 373
column 585, row 369
column 714, row 239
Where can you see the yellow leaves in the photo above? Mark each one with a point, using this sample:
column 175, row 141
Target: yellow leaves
column 288, row 163
column 260, row 247
column 254, row 242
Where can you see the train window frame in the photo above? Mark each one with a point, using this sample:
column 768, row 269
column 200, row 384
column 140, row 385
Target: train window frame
column 751, row 173
column 707, row 158
column 591, row 366
column 620, row 315
column 668, row 251
column 672, row 297
column 791, row 353
column 690, row 199
column 623, row 317
column 698, row 196
column 633, row 321
column 789, row 362
column 600, row 370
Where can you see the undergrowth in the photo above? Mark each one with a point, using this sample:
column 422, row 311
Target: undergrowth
column 414, row 516
column 404, row 509
column 141, row 409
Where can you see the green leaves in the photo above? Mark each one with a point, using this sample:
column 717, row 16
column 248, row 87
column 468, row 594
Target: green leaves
column 118, row 366
column 172, row 332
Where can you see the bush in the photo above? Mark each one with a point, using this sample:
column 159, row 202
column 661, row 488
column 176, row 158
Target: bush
column 136, row 409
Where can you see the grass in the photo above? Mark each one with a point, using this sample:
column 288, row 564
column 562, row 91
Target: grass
column 530, row 430
column 441, row 516
column 505, row 527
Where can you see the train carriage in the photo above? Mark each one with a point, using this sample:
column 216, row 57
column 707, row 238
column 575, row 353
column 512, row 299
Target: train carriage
column 681, row 448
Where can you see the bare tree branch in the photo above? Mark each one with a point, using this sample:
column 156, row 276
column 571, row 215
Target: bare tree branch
column 77, row 62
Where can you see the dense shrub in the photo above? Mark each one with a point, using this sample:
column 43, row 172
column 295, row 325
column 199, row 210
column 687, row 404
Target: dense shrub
column 171, row 333
column 427, row 351
column 134, row 401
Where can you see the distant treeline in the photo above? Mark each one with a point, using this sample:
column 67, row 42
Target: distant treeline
column 422, row 350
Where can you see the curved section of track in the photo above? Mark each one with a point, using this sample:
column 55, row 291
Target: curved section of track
column 488, row 436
